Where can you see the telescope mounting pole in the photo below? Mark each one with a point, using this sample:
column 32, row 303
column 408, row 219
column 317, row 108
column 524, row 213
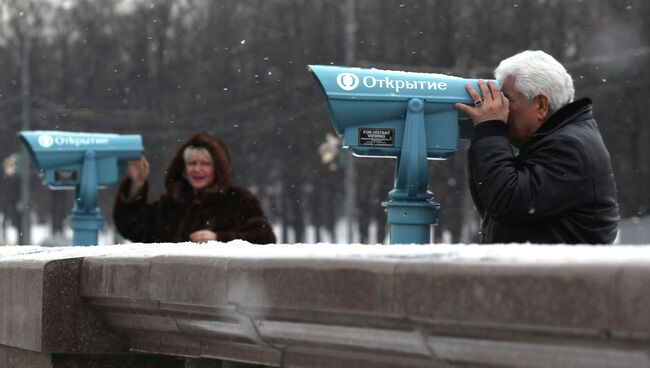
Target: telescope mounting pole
column 86, row 221
column 410, row 209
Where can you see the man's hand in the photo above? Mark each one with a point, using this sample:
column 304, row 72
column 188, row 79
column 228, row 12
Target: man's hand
column 138, row 172
column 493, row 106
column 203, row 236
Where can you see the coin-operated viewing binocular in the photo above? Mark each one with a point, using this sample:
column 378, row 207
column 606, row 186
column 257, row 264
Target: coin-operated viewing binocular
column 84, row 162
column 408, row 116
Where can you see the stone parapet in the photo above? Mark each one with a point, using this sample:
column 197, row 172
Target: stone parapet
column 41, row 309
column 331, row 306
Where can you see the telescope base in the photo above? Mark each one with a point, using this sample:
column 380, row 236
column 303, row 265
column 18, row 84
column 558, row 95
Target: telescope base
column 85, row 228
column 410, row 221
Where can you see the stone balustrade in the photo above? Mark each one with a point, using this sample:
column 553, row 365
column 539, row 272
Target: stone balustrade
column 218, row 305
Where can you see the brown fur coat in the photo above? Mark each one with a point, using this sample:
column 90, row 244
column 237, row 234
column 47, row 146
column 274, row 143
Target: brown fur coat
column 231, row 212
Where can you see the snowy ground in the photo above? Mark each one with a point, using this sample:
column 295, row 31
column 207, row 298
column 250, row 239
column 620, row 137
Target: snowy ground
column 515, row 253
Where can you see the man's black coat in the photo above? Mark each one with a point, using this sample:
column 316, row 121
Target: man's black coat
column 560, row 188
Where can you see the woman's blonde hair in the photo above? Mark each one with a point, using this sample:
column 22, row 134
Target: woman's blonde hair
column 190, row 152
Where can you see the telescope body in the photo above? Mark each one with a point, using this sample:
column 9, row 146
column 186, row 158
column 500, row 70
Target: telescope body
column 59, row 156
column 368, row 108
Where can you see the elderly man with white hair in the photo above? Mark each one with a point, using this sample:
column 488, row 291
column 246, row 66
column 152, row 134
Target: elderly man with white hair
column 556, row 185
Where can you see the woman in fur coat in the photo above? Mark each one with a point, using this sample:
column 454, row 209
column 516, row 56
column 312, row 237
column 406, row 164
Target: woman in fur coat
column 200, row 202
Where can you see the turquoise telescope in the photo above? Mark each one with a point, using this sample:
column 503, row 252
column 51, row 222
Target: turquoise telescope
column 83, row 162
column 404, row 115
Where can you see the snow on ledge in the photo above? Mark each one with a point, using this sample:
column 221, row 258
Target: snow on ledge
column 498, row 253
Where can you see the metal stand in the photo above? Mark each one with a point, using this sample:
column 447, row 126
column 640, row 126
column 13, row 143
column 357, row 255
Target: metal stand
column 410, row 209
column 86, row 221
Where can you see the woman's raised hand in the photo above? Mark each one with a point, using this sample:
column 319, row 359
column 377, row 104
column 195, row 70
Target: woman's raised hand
column 138, row 172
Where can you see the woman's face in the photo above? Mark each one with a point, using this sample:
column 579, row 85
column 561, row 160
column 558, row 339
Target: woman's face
column 199, row 170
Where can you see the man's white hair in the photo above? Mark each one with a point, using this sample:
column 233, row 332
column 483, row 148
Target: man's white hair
column 538, row 73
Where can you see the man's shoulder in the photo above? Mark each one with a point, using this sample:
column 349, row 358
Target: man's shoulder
column 579, row 130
